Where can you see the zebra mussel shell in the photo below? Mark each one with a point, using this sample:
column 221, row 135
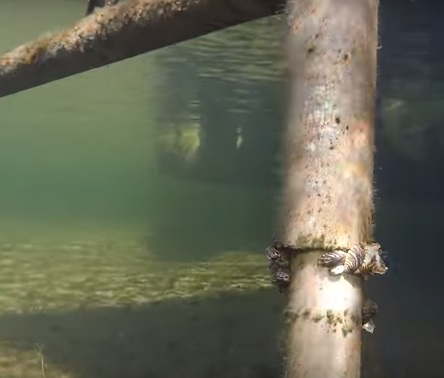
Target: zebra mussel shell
column 272, row 253
column 361, row 259
column 369, row 311
column 279, row 266
column 333, row 260
column 281, row 279
column 373, row 262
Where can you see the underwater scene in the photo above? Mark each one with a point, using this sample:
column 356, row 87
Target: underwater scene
column 136, row 201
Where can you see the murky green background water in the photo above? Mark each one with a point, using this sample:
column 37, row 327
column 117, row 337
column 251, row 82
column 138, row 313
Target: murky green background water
column 127, row 251
column 108, row 266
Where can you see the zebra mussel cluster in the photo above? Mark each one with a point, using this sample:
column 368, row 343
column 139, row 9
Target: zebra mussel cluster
column 279, row 264
column 369, row 310
column 361, row 259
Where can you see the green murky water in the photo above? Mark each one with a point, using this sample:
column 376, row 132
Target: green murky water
column 125, row 253
column 98, row 247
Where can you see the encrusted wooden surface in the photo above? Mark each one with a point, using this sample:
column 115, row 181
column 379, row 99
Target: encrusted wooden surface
column 327, row 199
column 122, row 31
column 328, row 143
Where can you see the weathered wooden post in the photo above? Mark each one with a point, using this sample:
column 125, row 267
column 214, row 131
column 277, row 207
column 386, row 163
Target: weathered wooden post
column 327, row 199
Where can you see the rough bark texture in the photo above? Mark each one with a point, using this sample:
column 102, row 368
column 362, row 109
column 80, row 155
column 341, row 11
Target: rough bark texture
column 327, row 200
column 118, row 32
column 93, row 4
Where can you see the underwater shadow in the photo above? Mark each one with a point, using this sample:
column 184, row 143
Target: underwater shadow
column 233, row 335
column 202, row 223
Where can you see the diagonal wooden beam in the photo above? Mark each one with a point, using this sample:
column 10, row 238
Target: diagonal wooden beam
column 93, row 4
column 119, row 32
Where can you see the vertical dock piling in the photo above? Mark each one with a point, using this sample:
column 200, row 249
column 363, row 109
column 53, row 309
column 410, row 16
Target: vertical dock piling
column 327, row 198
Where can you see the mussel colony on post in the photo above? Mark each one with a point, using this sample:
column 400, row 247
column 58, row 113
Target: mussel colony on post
column 361, row 259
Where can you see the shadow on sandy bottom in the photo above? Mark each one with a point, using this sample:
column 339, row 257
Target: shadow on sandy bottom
column 232, row 336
